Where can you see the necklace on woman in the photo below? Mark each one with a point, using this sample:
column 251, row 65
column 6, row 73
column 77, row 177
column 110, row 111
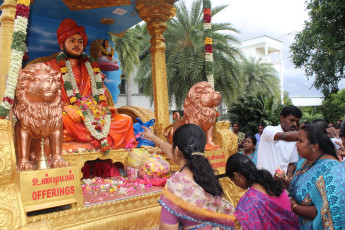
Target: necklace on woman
column 307, row 168
column 312, row 164
column 183, row 167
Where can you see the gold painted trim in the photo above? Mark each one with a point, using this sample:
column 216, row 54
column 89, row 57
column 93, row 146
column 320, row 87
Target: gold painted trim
column 107, row 21
column 92, row 4
column 79, row 159
column 140, row 212
column 120, row 35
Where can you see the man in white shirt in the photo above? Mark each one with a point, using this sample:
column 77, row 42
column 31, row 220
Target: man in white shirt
column 277, row 143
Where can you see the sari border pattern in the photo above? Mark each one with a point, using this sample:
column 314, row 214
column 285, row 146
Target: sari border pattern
column 325, row 210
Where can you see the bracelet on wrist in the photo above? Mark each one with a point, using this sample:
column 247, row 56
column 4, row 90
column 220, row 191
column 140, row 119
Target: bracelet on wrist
column 293, row 207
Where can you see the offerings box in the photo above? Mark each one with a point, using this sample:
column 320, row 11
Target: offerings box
column 42, row 189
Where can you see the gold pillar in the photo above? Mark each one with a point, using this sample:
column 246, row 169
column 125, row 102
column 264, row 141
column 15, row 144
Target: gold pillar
column 12, row 214
column 155, row 13
column 8, row 9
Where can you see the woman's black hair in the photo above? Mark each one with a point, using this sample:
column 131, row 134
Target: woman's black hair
column 240, row 163
column 234, row 123
column 247, row 134
column 317, row 134
column 253, row 138
column 261, row 124
column 191, row 138
column 321, row 122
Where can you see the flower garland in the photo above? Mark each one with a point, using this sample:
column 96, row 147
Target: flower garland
column 97, row 117
column 208, row 42
column 18, row 48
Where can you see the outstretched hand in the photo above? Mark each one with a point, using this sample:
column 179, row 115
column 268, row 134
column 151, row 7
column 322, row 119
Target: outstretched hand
column 149, row 135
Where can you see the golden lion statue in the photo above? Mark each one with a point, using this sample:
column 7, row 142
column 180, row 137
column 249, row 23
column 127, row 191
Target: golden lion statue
column 200, row 109
column 38, row 108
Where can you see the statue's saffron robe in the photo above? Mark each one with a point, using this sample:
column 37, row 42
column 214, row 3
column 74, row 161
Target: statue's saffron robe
column 121, row 128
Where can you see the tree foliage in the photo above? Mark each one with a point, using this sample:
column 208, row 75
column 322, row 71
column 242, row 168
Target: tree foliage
column 184, row 39
column 251, row 110
column 259, row 77
column 128, row 49
column 320, row 47
column 333, row 108
column 310, row 114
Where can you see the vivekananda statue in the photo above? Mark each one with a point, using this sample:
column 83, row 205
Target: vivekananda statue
column 87, row 116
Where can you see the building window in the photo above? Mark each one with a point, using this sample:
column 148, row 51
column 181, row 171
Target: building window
column 123, row 87
column 141, row 87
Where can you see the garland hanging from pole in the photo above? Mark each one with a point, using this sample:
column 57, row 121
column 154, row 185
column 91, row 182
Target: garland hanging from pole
column 208, row 42
column 18, row 48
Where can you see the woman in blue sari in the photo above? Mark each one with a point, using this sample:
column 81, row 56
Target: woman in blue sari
column 310, row 192
column 250, row 148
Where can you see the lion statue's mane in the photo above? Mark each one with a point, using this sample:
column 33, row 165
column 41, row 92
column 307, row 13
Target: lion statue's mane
column 31, row 114
column 196, row 112
column 204, row 115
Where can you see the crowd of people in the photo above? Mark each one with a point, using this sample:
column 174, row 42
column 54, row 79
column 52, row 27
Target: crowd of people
column 293, row 174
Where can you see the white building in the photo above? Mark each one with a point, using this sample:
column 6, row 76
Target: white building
column 269, row 50
column 306, row 101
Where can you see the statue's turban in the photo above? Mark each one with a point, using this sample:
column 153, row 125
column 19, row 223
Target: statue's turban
column 69, row 27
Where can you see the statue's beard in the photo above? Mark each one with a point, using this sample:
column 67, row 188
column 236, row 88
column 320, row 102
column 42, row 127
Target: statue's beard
column 71, row 55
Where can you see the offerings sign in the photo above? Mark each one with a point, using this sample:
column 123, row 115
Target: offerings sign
column 48, row 188
column 218, row 159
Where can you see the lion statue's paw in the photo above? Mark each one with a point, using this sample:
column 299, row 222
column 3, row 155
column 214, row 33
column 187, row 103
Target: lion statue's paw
column 211, row 146
column 24, row 165
column 58, row 162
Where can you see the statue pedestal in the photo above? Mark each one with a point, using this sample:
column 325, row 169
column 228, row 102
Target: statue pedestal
column 42, row 189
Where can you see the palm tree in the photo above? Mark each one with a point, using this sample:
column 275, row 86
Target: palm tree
column 185, row 55
column 259, row 77
column 128, row 49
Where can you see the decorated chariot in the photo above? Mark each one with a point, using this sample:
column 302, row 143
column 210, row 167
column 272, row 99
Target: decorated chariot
column 56, row 192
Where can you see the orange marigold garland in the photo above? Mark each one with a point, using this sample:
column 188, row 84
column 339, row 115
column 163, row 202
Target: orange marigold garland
column 209, row 66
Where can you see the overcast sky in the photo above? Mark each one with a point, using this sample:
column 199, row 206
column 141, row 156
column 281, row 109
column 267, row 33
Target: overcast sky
column 279, row 19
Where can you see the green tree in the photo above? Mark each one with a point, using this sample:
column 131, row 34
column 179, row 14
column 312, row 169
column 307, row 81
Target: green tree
column 128, row 49
column 333, row 108
column 310, row 114
column 320, row 47
column 250, row 110
column 185, row 55
column 259, row 77
column 287, row 99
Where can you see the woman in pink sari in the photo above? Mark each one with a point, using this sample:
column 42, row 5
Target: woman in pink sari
column 266, row 204
column 192, row 196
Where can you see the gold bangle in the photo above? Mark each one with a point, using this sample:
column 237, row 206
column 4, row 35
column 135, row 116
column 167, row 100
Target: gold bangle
column 293, row 207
